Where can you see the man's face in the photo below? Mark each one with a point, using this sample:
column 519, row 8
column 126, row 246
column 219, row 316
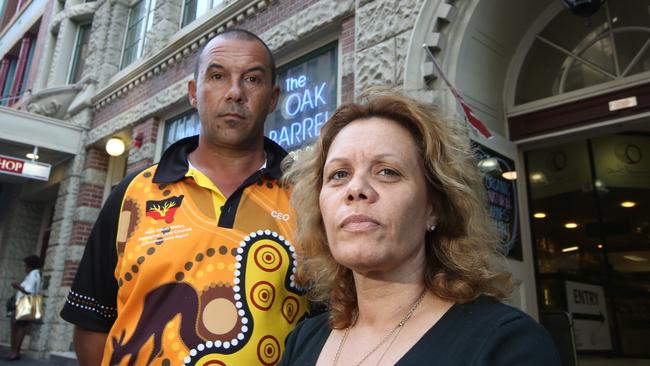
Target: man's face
column 233, row 92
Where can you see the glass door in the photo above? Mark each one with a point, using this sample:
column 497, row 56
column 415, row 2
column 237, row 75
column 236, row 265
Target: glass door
column 590, row 225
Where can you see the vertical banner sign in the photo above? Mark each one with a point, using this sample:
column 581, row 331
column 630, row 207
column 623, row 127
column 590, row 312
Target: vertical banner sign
column 587, row 306
column 502, row 199
column 307, row 99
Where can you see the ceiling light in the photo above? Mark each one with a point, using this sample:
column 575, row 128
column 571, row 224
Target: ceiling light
column 489, row 166
column 600, row 246
column 115, row 146
column 570, row 249
column 539, row 215
column 33, row 155
column 628, row 204
column 635, row 258
column 571, row 225
column 537, row 177
column 511, row 175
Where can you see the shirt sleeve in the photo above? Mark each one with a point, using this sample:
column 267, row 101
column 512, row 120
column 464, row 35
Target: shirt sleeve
column 91, row 302
column 521, row 341
column 31, row 282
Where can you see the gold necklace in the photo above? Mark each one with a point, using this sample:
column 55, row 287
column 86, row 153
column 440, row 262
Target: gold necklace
column 397, row 329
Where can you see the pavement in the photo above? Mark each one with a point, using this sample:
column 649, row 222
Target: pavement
column 28, row 361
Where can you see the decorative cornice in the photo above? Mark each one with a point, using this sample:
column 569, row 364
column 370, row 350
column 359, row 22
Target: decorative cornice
column 185, row 43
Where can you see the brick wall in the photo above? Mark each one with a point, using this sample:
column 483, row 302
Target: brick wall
column 347, row 52
column 69, row 271
column 89, row 202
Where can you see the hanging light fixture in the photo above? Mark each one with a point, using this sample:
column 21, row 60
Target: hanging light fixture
column 583, row 8
column 115, row 146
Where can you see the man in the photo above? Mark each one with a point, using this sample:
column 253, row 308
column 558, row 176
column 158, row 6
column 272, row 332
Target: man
column 190, row 260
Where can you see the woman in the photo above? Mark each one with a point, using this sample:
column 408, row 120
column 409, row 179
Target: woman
column 401, row 248
column 30, row 285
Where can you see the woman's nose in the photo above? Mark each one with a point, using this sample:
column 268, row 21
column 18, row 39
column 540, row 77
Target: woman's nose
column 360, row 189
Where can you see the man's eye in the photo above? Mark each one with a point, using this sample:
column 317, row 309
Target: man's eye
column 253, row 79
column 216, row 76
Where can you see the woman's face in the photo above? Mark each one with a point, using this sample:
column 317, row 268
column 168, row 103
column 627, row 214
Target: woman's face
column 374, row 198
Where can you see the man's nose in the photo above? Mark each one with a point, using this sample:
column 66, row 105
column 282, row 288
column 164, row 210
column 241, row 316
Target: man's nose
column 235, row 92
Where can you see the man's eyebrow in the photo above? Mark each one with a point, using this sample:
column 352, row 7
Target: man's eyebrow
column 214, row 65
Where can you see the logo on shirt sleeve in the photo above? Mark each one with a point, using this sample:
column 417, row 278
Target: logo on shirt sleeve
column 165, row 209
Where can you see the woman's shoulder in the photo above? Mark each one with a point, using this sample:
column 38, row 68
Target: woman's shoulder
column 508, row 333
column 308, row 327
column 306, row 341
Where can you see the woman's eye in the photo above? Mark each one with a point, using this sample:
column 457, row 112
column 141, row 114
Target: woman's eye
column 389, row 172
column 216, row 76
column 339, row 174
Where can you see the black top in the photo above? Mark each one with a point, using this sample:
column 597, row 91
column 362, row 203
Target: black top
column 91, row 302
column 482, row 332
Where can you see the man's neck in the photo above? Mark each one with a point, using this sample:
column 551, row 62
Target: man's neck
column 227, row 168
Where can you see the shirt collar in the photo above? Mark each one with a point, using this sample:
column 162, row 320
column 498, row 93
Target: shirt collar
column 173, row 164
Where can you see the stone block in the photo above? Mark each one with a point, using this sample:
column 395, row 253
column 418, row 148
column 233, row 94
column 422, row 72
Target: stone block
column 375, row 66
column 87, row 214
column 380, row 20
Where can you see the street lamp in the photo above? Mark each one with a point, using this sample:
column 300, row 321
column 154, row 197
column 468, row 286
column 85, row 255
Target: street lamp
column 115, row 146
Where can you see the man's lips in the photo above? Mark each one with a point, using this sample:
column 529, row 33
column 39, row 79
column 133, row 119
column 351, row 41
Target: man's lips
column 232, row 115
column 359, row 222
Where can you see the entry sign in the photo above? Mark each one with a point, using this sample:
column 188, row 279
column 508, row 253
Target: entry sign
column 587, row 306
column 24, row 168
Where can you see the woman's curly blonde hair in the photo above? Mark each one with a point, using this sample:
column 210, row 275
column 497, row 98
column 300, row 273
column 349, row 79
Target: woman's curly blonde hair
column 459, row 254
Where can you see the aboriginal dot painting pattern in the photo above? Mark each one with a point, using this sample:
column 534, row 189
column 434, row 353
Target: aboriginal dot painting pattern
column 265, row 251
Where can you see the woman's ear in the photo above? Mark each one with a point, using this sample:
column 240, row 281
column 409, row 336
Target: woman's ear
column 432, row 220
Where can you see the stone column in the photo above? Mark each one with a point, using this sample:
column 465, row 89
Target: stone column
column 166, row 20
column 107, row 39
column 77, row 207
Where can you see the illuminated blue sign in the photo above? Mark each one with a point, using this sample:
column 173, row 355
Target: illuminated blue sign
column 307, row 99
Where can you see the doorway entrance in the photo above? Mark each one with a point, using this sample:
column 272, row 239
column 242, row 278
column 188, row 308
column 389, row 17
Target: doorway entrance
column 589, row 205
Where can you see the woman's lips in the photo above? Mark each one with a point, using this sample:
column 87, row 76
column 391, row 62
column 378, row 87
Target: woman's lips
column 358, row 222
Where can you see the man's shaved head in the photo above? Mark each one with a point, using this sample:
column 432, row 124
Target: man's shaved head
column 242, row 35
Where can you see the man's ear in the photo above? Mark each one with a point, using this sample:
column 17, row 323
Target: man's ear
column 191, row 92
column 275, row 95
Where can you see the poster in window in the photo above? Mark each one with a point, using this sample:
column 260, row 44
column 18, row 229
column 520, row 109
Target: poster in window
column 185, row 125
column 307, row 99
column 502, row 197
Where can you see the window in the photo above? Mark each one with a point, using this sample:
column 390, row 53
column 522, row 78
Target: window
column 140, row 21
column 12, row 63
column 185, row 125
column 307, row 98
column 80, row 53
column 616, row 45
column 195, row 8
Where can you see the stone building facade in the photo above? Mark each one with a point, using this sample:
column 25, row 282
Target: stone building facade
column 138, row 55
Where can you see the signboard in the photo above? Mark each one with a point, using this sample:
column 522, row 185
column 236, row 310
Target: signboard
column 24, row 168
column 587, row 306
column 307, row 99
column 502, row 199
